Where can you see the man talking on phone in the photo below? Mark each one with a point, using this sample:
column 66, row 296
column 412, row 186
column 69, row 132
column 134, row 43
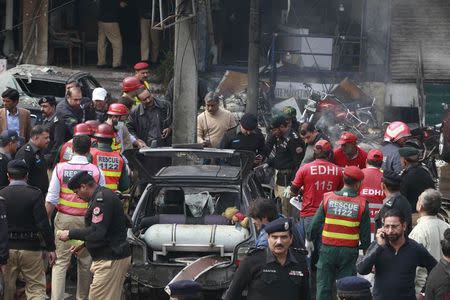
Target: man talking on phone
column 395, row 258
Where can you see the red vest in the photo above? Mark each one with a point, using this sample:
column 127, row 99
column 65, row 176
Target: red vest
column 111, row 164
column 372, row 192
column 69, row 203
column 343, row 216
column 66, row 151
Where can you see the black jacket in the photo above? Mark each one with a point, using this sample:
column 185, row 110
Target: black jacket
column 56, row 129
column 106, row 227
column 235, row 139
column 399, row 202
column 415, row 180
column 69, row 116
column 4, row 159
column 28, row 223
column 37, row 166
column 108, row 10
column 4, row 253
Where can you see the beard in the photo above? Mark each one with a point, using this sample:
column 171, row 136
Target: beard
column 394, row 237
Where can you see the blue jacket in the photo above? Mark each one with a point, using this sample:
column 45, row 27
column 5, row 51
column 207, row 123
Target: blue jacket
column 391, row 158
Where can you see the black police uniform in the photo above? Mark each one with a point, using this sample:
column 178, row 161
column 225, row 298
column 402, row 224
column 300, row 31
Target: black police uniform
column 4, row 159
column 37, row 166
column 399, row 202
column 266, row 279
column 55, row 127
column 4, row 253
column 106, row 227
column 235, row 139
column 415, row 180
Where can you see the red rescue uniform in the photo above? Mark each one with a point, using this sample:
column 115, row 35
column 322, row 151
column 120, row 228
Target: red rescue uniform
column 316, row 178
column 342, row 160
column 111, row 163
column 372, row 192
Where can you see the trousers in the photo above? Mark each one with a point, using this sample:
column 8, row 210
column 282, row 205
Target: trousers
column 109, row 32
column 148, row 36
column 109, row 276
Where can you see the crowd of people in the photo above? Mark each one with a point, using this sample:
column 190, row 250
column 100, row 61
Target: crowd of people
column 60, row 181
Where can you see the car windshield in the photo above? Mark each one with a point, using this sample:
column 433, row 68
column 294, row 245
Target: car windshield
column 39, row 87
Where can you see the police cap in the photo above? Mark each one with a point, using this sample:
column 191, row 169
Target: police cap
column 183, row 288
column 48, row 99
column 17, row 167
column 78, row 179
column 277, row 121
column 353, row 286
column 7, row 136
column 354, row 173
column 408, row 152
column 391, row 177
column 279, row 225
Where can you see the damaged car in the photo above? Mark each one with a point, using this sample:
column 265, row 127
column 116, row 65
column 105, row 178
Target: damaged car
column 190, row 220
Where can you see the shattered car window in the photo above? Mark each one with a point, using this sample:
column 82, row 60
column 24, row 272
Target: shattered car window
column 39, row 87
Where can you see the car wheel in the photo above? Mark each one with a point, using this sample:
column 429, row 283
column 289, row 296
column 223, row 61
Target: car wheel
column 444, row 152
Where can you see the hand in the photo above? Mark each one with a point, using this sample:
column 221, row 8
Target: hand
column 287, row 192
column 420, row 297
column 51, row 257
column 381, row 237
column 140, row 143
column 166, row 132
column 63, row 235
column 77, row 249
column 309, row 245
column 3, row 269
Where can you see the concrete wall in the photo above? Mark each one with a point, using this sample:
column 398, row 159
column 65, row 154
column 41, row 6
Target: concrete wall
column 404, row 95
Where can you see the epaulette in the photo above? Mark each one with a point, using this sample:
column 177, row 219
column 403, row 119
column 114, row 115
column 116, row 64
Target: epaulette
column 99, row 197
column 55, row 119
column 254, row 250
column 28, row 148
column 390, row 202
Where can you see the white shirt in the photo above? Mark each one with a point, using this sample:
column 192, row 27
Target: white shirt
column 54, row 186
column 429, row 232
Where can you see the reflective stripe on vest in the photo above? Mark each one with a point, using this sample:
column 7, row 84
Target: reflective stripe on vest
column 69, row 203
column 115, row 146
column 342, row 220
column 147, row 85
column 111, row 164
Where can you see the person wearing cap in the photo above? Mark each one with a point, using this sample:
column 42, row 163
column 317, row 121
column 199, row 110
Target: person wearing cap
column 32, row 154
column 371, row 185
column 213, row 123
column 415, row 179
column 55, row 129
column 117, row 115
column 71, row 211
column 109, row 161
column 285, row 157
column 29, row 234
column 245, row 136
column 310, row 135
column 8, row 147
column 100, row 99
column 141, row 72
column 395, row 137
column 66, row 150
column 349, row 154
column 344, row 216
column 131, row 88
column 291, row 115
column 276, row 272
column 353, row 288
column 104, row 236
column 394, row 259
column 390, row 184
column 438, row 279
column 13, row 117
column 184, row 290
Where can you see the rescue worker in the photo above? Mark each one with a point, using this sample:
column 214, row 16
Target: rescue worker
column 285, row 158
column 32, row 154
column 27, row 226
column 276, row 272
column 349, row 154
column 390, row 184
column 141, row 72
column 105, row 236
column 346, row 222
column 131, row 88
column 184, row 290
column 109, row 161
column 93, row 124
column 394, row 138
column 117, row 115
column 415, row 179
column 66, row 151
column 291, row 115
column 371, row 186
column 54, row 125
column 71, row 210
column 8, row 147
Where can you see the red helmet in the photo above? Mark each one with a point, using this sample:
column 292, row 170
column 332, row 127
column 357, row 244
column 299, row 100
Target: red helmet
column 93, row 124
column 117, row 109
column 82, row 129
column 105, row 131
column 395, row 131
column 130, row 84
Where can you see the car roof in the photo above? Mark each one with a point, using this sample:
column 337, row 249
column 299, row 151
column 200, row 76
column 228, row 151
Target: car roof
column 198, row 172
column 52, row 73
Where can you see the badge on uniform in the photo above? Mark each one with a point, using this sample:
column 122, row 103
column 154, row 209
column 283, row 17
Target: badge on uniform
column 296, row 273
column 97, row 215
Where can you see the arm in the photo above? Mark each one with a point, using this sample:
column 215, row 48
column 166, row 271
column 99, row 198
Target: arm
column 59, row 136
column 200, row 130
column 99, row 226
column 421, row 273
column 42, row 223
column 4, row 252
column 364, row 235
column 366, row 264
column 318, row 219
column 297, row 183
column 131, row 123
column 124, row 180
column 52, row 198
column 27, row 128
column 426, row 260
column 240, row 281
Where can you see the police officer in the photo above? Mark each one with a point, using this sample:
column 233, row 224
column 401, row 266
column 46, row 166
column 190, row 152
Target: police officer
column 353, row 288
column 276, row 272
column 345, row 219
column 54, row 126
column 104, row 235
column 8, row 147
column 66, row 150
column 71, row 211
column 141, row 70
column 4, row 253
column 110, row 162
column 291, row 115
column 28, row 224
column 184, row 290
column 390, row 184
column 32, row 153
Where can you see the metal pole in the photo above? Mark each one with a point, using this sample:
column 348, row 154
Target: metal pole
column 253, row 57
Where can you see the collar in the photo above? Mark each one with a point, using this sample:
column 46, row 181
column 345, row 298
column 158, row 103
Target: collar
column 290, row 258
column 446, row 264
column 94, row 195
column 14, row 115
column 17, row 182
column 142, row 109
column 51, row 117
column 78, row 160
column 104, row 147
column 34, row 147
column 393, row 195
column 426, row 218
column 347, row 192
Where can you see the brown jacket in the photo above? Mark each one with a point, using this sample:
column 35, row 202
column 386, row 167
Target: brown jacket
column 24, row 122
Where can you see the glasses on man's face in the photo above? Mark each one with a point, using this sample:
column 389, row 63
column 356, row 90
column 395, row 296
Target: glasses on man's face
column 391, row 226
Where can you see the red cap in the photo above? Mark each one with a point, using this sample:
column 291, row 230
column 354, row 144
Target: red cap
column 323, row 145
column 347, row 137
column 354, row 173
column 142, row 65
column 375, row 155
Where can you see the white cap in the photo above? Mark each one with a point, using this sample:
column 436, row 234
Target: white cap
column 99, row 94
